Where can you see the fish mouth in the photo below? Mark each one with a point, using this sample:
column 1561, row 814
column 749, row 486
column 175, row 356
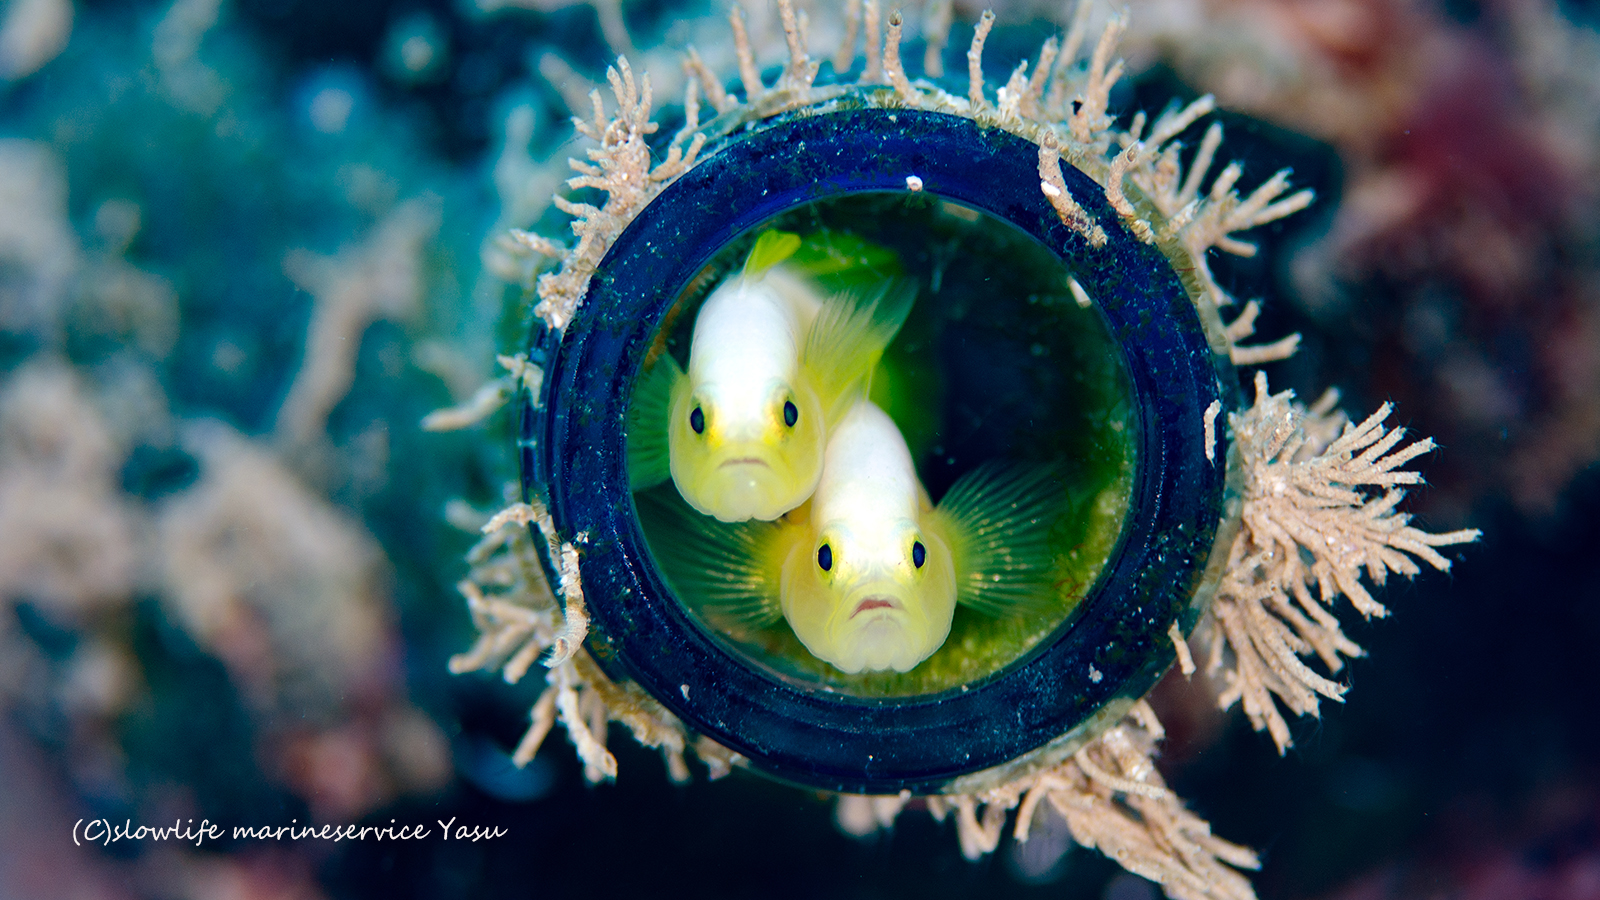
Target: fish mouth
column 744, row 461
column 876, row 601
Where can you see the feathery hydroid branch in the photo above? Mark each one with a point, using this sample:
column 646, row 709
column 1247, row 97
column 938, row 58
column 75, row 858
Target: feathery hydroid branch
column 1319, row 510
column 1112, row 799
column 519, row 620
column 619, row 166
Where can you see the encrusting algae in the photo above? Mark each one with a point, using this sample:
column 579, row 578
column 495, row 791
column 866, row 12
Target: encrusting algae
column 1317, row 493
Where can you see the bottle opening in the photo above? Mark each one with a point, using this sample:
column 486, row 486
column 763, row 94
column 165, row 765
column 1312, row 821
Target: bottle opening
column 1002, row 387
column 1034, row 442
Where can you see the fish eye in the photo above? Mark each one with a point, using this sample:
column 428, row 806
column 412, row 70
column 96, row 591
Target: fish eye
column 825, row 557
column 697, row 421
column 919, row 554
column 791, row 413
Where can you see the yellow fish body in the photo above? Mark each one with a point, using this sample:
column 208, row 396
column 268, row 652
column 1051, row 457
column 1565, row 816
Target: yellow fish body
column 745, row 428
column 868, row 574
column 868, row 582
column 773, row 362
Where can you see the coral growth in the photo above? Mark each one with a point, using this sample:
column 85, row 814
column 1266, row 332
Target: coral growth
column 379, row 279
column 69, row 538
column 127, row 507
column 32, row 32
column 271, row 580
column 39, row 252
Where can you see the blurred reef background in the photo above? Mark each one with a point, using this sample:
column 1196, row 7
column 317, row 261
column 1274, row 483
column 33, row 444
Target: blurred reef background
column 247, row 245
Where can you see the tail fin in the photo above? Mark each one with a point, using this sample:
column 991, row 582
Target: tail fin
column 726, row 573
column 997, row 520
column 849, row 337
column 649, row 459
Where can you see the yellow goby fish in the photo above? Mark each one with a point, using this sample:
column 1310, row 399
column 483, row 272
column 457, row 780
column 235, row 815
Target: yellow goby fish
column 868, row 573
column 773, row 362
column 868, row 582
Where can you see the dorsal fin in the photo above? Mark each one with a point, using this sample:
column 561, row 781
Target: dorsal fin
column 771, row 248
column 849, row 337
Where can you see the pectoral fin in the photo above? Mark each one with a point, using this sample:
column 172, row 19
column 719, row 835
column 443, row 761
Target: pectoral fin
column 997, row 520
column 849, row 337
column 649, row 454
column 729, row 574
